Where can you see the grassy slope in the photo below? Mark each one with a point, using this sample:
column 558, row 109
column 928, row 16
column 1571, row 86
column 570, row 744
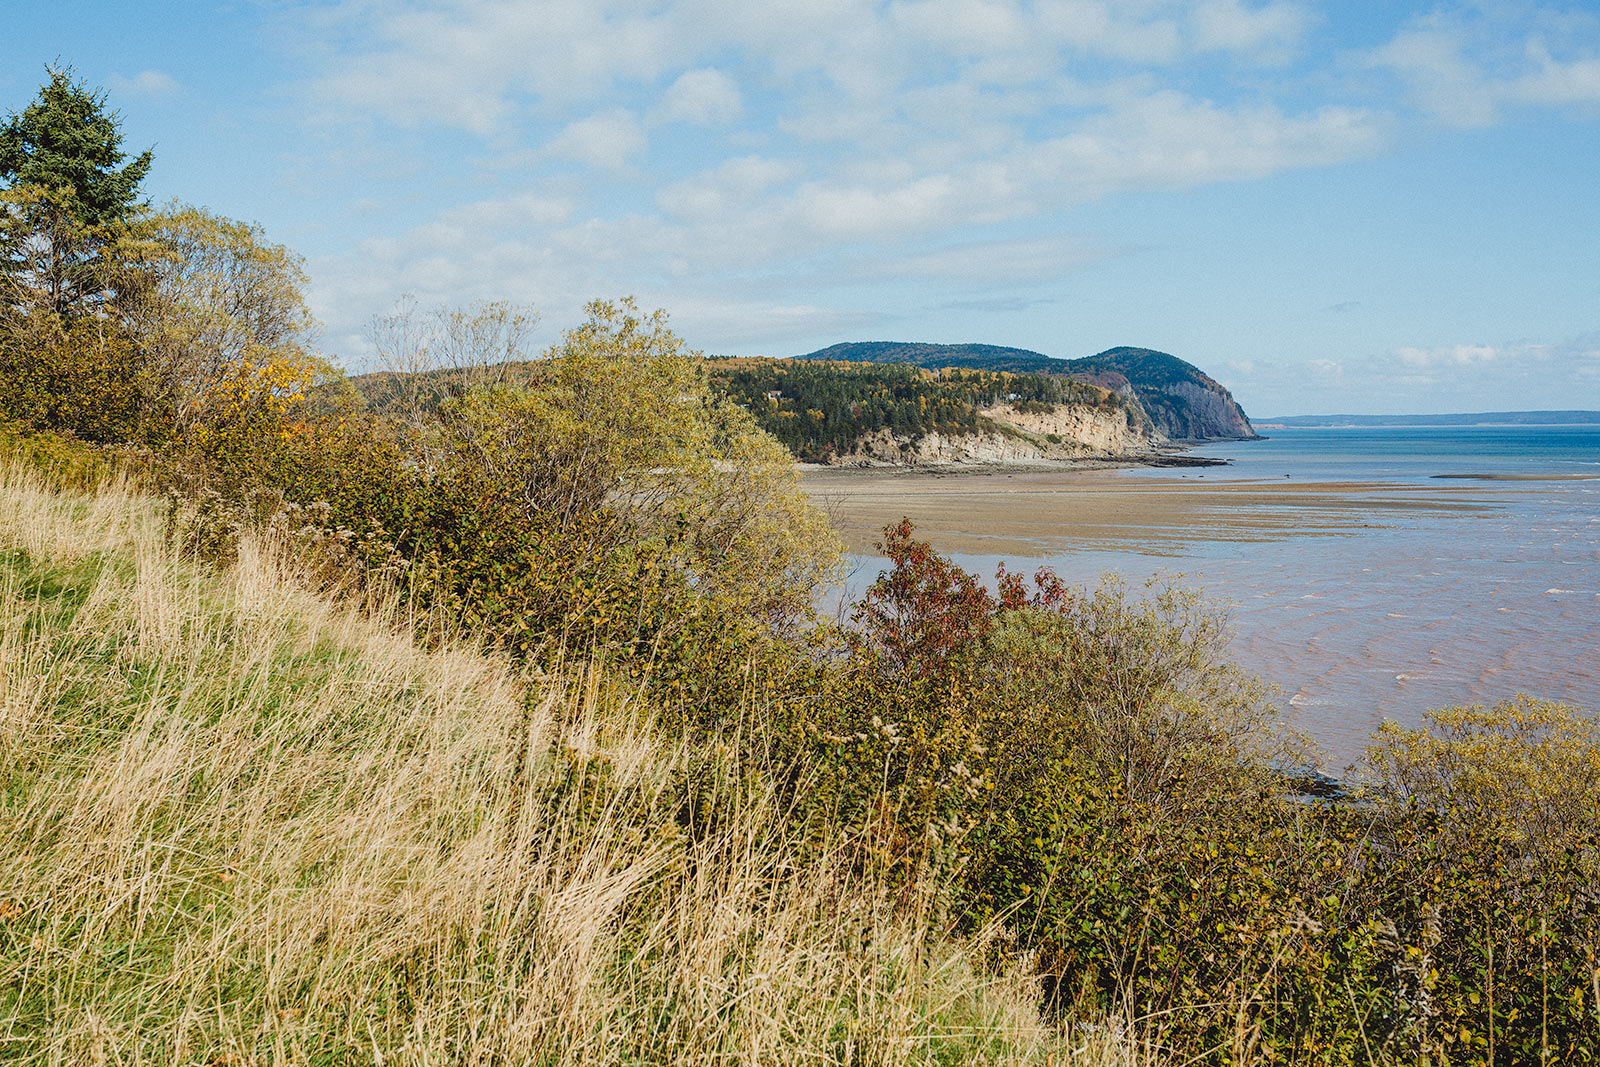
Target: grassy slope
column 239, row 824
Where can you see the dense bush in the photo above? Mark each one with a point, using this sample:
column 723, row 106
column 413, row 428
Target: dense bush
column 1094, row 787
column 84, row 377
column 63, row 461
column 609, row 505
column 1482, row 882
column 1057, row 756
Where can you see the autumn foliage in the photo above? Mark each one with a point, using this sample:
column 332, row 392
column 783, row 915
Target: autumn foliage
column 1074, row 784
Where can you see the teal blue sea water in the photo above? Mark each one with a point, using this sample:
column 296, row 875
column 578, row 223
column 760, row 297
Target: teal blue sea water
column 1415, row 454
column 1421, row 609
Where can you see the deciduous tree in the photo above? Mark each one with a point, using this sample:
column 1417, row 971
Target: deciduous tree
column 433, row 353
column 622, row 420
column 220, row 307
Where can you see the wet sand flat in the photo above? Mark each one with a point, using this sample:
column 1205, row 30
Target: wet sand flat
column 1033, row 512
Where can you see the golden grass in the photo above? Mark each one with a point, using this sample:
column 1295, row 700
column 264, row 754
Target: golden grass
column 240, row 824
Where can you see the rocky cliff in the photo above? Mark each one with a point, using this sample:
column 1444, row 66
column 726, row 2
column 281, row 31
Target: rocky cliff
column 1038, row 433
column 1183, row 402
column 1079, row 430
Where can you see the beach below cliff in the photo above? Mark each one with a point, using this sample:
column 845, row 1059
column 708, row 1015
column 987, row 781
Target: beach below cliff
column 1044, row 509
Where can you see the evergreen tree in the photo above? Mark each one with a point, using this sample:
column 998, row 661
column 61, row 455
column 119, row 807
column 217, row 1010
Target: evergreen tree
column 66, row 141
column 70, row 190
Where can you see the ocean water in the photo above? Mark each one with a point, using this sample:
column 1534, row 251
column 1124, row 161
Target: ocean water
column 1422, row 609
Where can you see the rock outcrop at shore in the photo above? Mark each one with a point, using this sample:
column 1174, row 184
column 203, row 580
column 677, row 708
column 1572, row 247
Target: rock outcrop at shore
column 1079, row 430
column 1038, row 433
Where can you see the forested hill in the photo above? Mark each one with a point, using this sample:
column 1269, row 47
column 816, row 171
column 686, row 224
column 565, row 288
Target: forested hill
column 1181, row 400
column 981, row 357
column 823, row 410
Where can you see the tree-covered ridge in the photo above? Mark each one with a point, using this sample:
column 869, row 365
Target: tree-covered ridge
column 919, row 354
column 1141, row 366
column 1180, row 399
column 820, row 409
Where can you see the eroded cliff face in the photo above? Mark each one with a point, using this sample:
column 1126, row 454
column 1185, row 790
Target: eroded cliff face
column 1183, row 402
column 1083, row 431
column 1064, row 431
column 1201, row 414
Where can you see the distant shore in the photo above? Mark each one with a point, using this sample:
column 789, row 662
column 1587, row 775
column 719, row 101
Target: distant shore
column 1463, row 420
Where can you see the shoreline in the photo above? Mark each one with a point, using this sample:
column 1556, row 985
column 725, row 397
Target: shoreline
column 1043, row 509
column 1073, row 464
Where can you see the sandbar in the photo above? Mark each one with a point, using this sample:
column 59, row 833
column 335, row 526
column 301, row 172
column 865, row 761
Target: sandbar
column 1031, row 512
column 1520, row 477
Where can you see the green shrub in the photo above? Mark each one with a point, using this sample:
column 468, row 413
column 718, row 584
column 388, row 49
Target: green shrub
column 1481, row 883
column 1081, row 767
column 85, row 378
column 64, row 461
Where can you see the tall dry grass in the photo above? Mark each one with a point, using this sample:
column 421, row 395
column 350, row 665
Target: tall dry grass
column 240, row 824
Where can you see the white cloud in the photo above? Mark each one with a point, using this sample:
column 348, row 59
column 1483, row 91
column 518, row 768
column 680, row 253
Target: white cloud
column 1526, row 375
column 1447, row 86
column 725, row 189
column 478, row 64
column 512, row 213
column 1168, row 140
column 705, row 96
column 1159, row 140
column 963, row 27
column 1480, row 377
column 1270, row 32
column 1556, row 82
column 145, row 83
column 607, row 141
column 860, row 212
column 1464, row 71
column 989, row 263
column 739, row 326
column 1114, row 30
column 1448, row 356
column 757, row 224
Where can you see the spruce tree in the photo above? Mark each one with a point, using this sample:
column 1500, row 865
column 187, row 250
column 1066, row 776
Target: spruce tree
column 66, row 141
column 70, row 191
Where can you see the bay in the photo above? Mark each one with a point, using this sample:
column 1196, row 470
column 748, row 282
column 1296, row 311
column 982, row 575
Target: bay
column 1371, row 573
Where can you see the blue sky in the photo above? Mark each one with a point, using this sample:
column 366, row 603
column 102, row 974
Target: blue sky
column 1375, row 207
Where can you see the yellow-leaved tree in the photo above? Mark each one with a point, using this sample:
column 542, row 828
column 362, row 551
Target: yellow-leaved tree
column 226, row 333
column 1529, row 768
column 621, row 420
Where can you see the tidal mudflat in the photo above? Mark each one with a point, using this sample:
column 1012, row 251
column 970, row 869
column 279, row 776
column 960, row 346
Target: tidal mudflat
column 1033, row 512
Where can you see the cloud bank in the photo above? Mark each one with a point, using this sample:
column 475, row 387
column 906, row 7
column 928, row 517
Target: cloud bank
column 778, row 172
